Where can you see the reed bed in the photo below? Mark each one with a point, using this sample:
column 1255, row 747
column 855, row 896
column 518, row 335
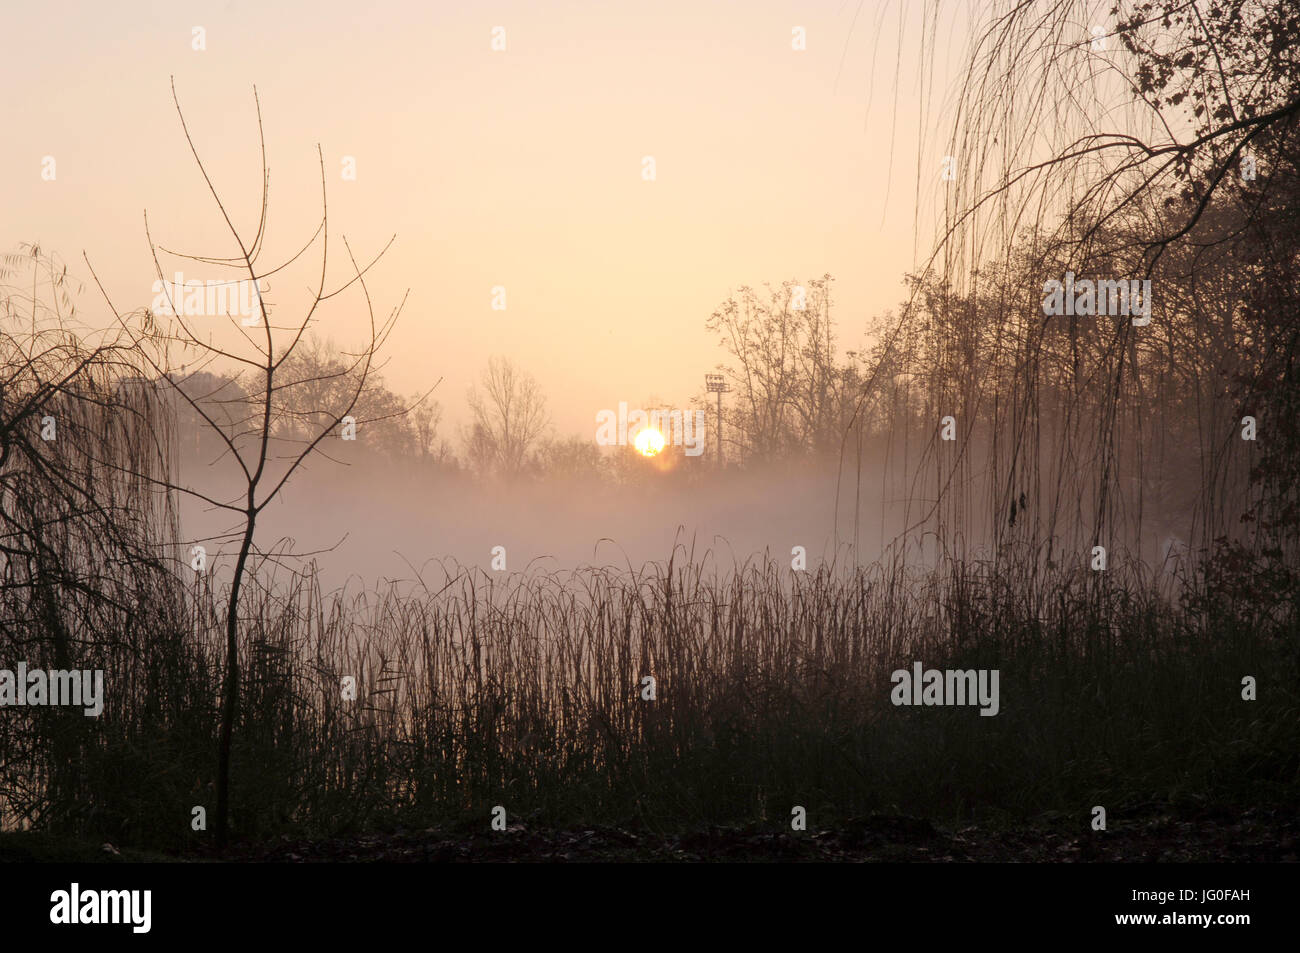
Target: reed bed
column 772, row 689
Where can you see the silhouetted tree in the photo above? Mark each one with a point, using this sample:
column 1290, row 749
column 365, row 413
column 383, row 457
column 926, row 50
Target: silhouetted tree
column 509, row 417
column 259, row 350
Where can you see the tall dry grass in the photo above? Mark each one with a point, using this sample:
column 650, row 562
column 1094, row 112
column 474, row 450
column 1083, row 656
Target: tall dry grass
column 772, row 691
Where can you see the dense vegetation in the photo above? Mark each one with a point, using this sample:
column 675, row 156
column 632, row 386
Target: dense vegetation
column 771, row 685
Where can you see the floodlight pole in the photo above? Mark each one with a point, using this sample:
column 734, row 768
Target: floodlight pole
column 717, row 385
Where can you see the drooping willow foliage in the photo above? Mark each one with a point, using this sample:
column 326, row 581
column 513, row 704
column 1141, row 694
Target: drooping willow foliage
column 1132, row 141
column 1123, row 161
column 87, row 575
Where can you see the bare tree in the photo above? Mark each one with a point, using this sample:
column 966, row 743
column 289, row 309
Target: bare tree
column 317, row 375
column 430, row 445
column 509, row 417
column 790, row 389
column 259, row 350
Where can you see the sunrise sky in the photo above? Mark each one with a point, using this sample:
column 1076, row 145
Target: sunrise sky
column 520, row 168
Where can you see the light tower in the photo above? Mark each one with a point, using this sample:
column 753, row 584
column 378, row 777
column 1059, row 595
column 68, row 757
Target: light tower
column 717, row 385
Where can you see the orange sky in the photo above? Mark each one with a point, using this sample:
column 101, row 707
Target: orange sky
column 519, row 168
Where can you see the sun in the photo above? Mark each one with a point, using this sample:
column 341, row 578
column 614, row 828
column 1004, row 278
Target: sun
column 649, row 442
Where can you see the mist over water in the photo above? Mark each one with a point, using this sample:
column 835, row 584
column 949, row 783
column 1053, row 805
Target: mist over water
column 367, row 520
column 382, row 522
column 403, row 545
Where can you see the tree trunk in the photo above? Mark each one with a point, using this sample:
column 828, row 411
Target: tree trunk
column 230, row 703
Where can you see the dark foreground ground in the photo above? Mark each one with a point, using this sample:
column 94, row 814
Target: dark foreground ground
column 1145, row 833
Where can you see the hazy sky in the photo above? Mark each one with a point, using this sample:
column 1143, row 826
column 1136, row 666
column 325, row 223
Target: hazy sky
column 520, row 168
